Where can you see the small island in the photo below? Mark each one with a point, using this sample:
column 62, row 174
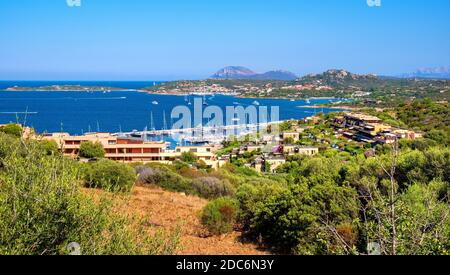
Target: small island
column 64, row 88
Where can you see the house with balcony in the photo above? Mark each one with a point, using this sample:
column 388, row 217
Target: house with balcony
column 131, row 150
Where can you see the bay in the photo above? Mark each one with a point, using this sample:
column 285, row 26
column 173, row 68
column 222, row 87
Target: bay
column 81, row 112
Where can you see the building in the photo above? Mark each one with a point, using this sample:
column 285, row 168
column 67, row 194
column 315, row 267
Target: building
column 131, row 150
column 295, row 136
column 261, row 163
column 407, row 134
column 300, row 150
column 355, row 119
column 274, row 161
column 371, row 130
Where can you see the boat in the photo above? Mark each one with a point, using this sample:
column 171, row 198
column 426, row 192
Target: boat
column 136, row 134
column 308, row 101
column 155, row 102
column 292, row 100
column 255, row 103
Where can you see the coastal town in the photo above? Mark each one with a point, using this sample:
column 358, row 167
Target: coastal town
column 264, row 153
column 228, row 128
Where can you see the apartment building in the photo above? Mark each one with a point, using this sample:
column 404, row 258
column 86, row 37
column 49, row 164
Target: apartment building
column 355, row 119
column 131, row 150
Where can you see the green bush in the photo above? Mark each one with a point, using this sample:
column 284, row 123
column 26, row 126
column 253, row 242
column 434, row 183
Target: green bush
column 49, row 147
column 219, row 216
column 188, row 157
column 165, row 178
column 91, row 150
column 8, row 145
column 12, row 129
column 42, row 210
column 109, row 175
column 211, row 187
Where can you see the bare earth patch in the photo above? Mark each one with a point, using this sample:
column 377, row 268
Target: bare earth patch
column 166, row 210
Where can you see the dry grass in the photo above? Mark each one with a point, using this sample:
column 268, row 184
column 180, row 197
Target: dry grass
column 168, row 211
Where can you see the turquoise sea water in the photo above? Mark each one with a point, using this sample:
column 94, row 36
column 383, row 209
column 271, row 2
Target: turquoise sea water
column 80, row 112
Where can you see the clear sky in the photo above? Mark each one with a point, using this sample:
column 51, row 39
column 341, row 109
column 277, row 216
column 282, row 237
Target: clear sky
column 174, row 39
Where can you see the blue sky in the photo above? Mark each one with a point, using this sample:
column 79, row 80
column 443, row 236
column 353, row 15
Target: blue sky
column 174, row 39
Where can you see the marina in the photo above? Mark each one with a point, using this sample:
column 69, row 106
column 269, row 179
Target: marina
column 125, row 111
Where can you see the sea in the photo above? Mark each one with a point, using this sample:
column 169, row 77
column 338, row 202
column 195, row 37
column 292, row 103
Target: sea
column 119, row 111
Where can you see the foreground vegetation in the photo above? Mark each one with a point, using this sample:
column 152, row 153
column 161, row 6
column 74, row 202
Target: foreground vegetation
column 43, row 209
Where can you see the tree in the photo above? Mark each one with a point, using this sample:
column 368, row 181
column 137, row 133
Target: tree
column 91, row 150
column 440, row 136
column 188, row 157
column 379, row 205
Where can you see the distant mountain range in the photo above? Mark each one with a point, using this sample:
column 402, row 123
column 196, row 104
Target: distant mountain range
column 239, row 72
column 437, row 72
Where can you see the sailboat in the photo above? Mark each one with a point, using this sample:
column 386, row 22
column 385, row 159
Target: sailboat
column 152, row 124
column 165, row 132
column 204, row 101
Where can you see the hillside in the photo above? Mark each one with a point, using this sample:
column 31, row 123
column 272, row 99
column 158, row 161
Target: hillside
column 341, row 78
column 332, row 83
column 167, row 210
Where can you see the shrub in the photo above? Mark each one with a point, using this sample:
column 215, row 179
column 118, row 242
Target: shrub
column 12, row 129
column 109, row 175
column 179, row 165
column 188, row 157
column 91, row 150
column 219, row 216
column 42, row 210
column 211, row 187
column 291, row 219
column 48, row 147
column 165, row 178
column 8, row 144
